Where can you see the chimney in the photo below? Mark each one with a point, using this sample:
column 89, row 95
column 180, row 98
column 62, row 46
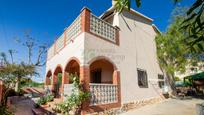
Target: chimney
column 113, row 2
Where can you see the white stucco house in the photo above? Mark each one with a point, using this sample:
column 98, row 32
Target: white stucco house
column 113, row 54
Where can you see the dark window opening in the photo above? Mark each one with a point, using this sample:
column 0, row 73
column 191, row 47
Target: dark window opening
column 96, row 76
column 160, row 80
column 142, row 78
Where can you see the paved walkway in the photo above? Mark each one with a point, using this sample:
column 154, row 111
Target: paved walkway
column 24, row 107
column 168, row 107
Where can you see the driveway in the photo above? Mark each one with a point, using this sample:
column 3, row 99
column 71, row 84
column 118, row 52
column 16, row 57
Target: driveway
column 168, row 107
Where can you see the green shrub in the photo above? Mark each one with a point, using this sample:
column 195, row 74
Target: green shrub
column 4, row 110
column 42, row 101
column 8, row 93
column 75, row 100
column 50, row 97
column 58, row 108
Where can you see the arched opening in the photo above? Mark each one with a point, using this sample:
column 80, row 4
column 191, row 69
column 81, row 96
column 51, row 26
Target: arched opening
column 48, row 78
column 57, row 81
column 71, row 68
column 104, row 77
column 101, row 71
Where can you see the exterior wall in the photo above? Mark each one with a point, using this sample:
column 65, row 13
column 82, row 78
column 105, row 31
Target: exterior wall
column 74, row 49
column 137, row 38
column 137, row 49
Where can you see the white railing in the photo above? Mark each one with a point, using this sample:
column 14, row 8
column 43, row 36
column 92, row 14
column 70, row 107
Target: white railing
column 102, row 28
column 73, row 30
column 103, row 93
column 68, row 89
column 98, row 27
column 60, row 43
column 50, row 52
column 49, row 86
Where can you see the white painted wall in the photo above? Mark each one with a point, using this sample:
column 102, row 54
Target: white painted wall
column 73, row 49
column 136, row 50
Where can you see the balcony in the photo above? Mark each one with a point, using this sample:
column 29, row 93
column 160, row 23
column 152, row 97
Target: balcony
column 85, row 22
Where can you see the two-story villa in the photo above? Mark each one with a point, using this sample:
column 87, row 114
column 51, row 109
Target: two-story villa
column 114, row 56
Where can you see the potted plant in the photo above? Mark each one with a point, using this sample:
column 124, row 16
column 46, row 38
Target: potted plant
column 50, row 97
column 42, row 102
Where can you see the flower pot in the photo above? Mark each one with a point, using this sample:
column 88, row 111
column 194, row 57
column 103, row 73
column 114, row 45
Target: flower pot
column 45, row 106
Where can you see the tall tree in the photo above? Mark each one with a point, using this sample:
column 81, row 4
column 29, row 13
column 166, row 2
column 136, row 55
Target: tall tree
column 15, row 70
column 11, row 52
column 173, row 51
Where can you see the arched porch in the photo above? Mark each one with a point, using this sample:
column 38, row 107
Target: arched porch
column 71, row 68
column 104, row 82
column 57, row 81
column 48, row 78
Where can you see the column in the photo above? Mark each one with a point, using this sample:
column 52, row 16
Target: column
column 85, row 19
column 85, row 80
column 116, row 81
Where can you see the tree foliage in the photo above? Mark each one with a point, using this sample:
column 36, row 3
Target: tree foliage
column 194, row 26
column 74, row 101
column 173, row 52
column 12, row 72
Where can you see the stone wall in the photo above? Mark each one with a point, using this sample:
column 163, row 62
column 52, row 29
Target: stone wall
column 128, row 106
column 140, row 103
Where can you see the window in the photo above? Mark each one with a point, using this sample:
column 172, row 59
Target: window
column 142, row 78
column 160, row 80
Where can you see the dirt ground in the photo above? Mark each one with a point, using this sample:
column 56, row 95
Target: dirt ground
column 168, row 107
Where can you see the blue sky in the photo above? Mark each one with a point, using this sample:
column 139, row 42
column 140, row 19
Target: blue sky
column 46, row 19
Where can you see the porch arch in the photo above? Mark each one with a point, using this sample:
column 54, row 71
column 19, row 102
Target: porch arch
column 103, row 58
column 48, row 78
column 57, row 80
column 104, row 77
column 102, row 70
column 72, row 67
